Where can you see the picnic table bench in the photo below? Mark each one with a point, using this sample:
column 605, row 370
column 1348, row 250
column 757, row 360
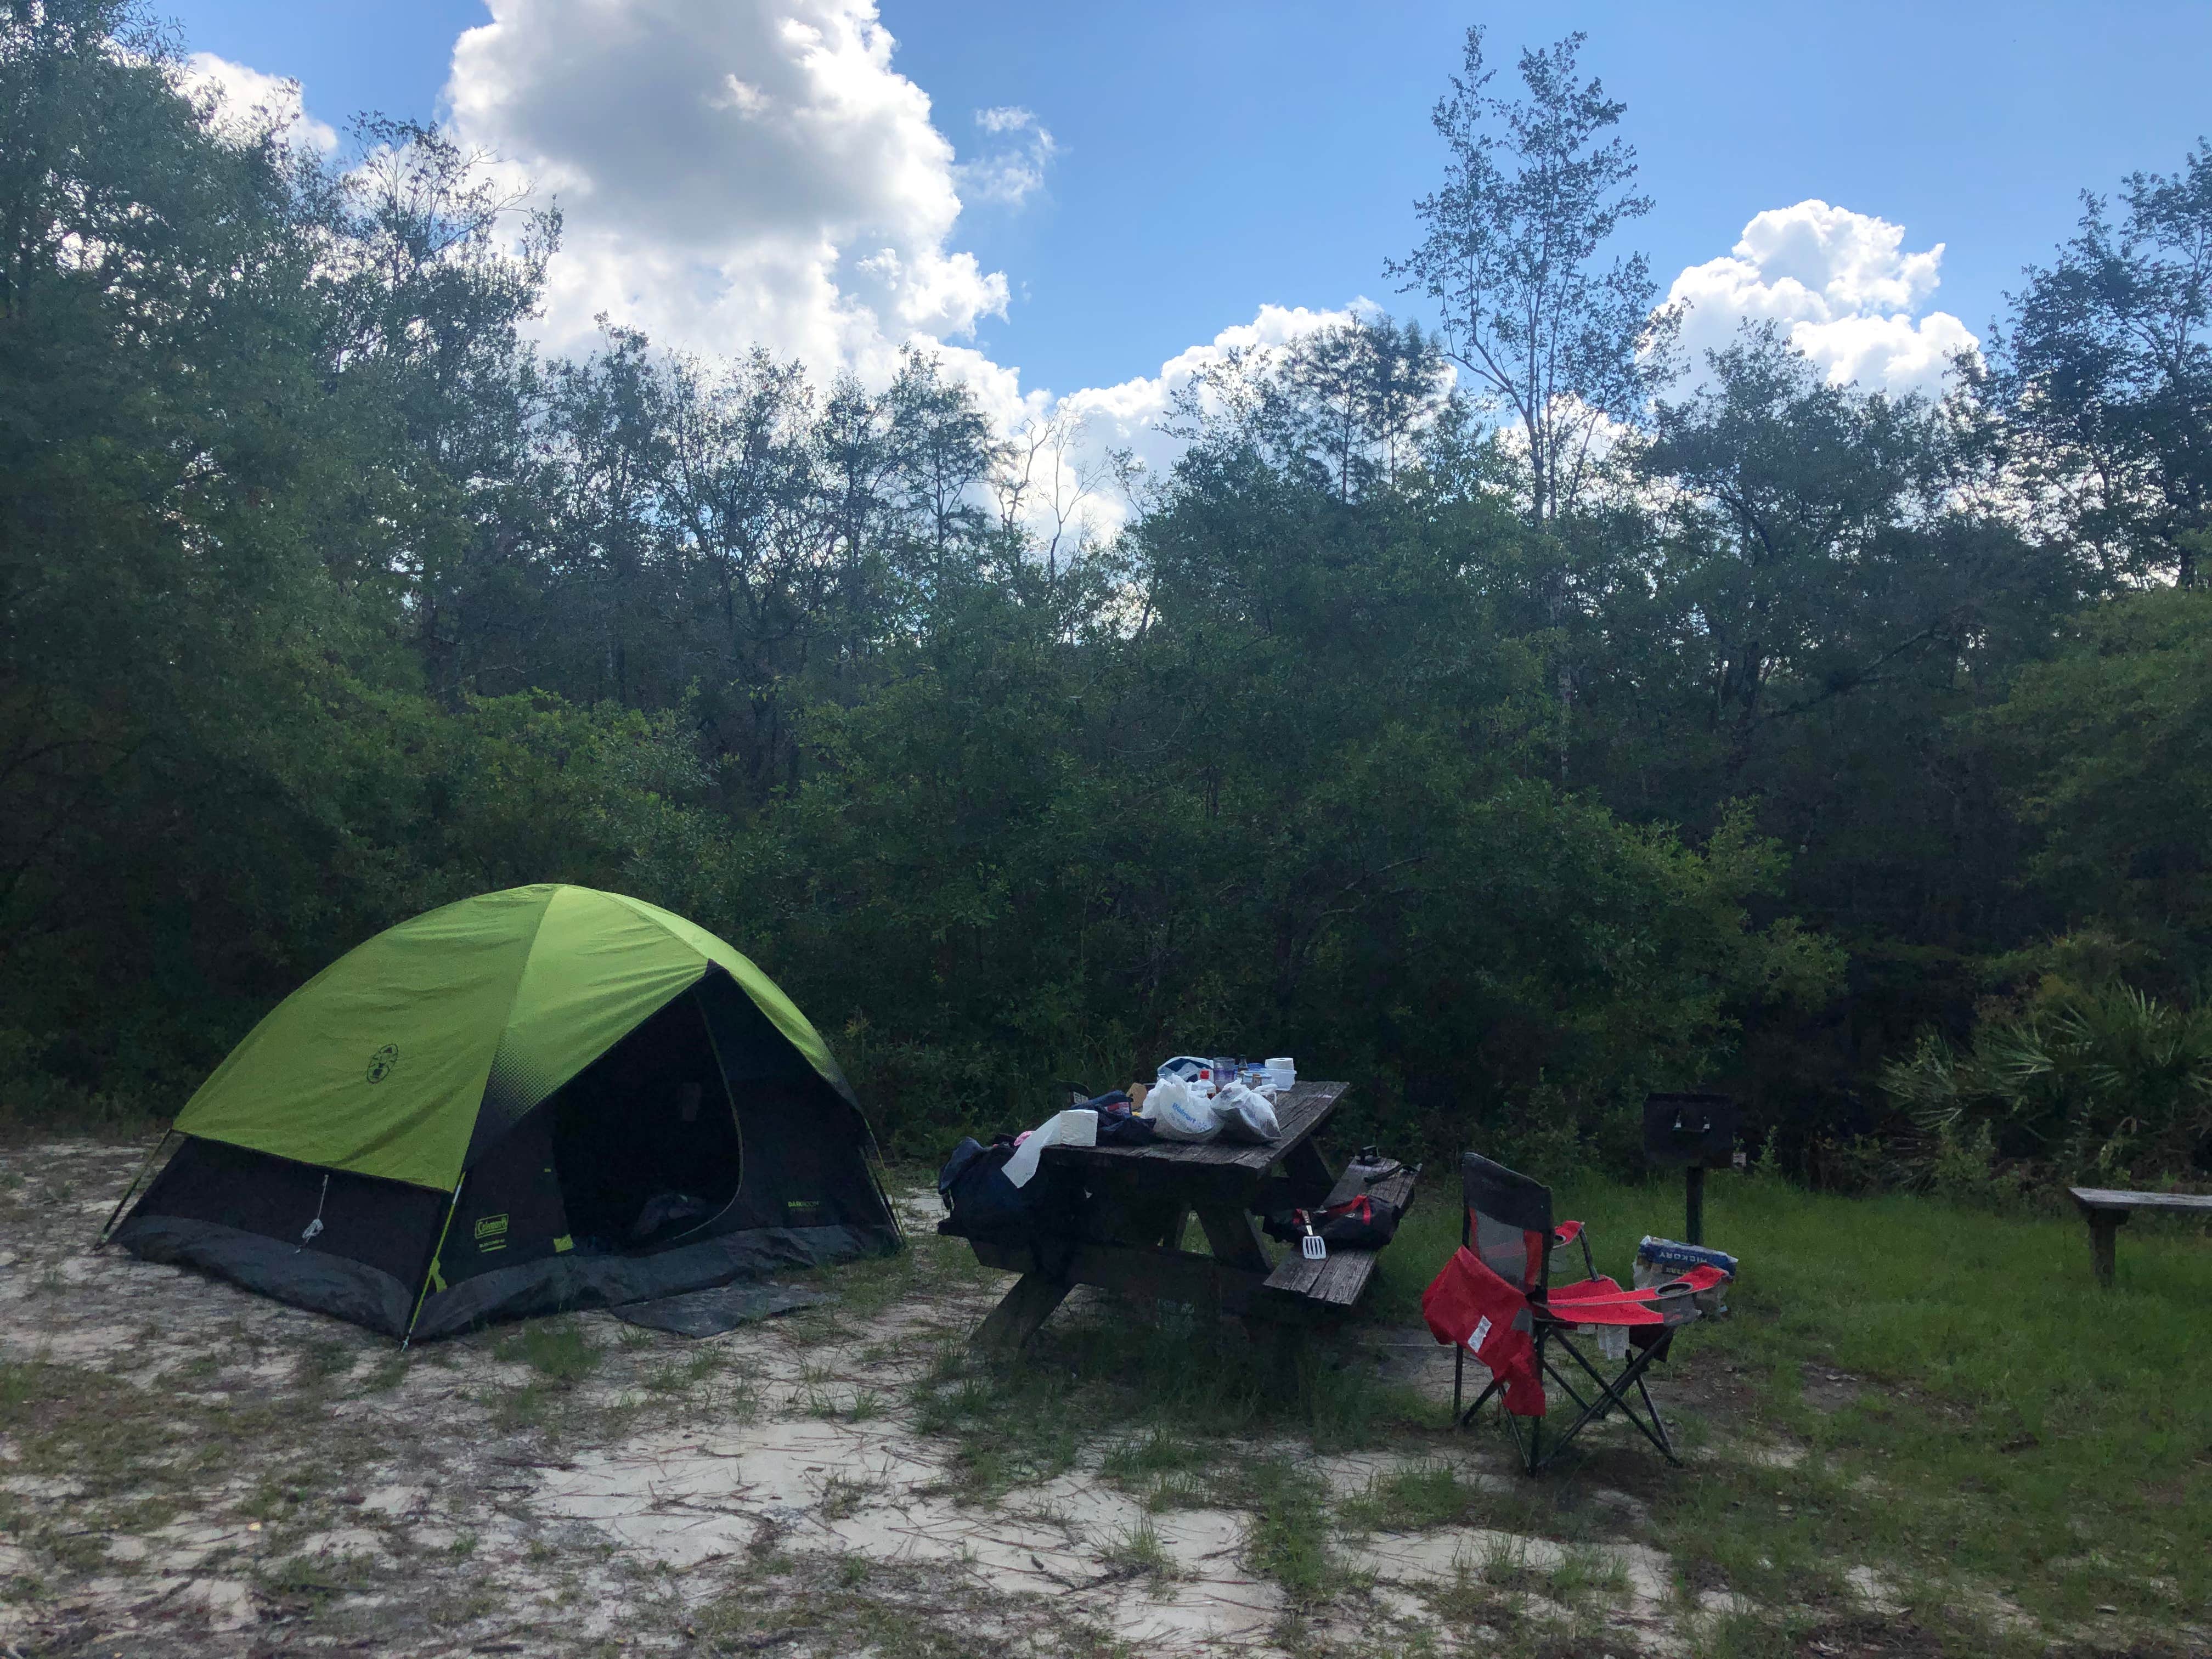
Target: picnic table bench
column 1138, row 1200
column 2105, row 1210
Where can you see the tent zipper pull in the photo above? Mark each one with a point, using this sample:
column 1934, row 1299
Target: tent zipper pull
column 316, row 1225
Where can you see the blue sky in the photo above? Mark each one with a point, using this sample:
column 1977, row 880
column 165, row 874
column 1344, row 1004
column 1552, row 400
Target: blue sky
column 1206, row 161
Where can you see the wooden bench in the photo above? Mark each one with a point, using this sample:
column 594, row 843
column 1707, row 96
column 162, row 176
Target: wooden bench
column 1300, row 1290
column 2104, row 1210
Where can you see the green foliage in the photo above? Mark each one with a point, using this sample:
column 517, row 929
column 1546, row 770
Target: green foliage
column 2100, row 1082
column 2107, row 750
column 1508, row 772
column 2106, row 376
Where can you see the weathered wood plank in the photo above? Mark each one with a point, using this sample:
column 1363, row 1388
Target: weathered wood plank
column 1233, row 1238
column 1301, row 1114
column 1019, row 1312
column 1294, row 1275
column 2105, row 1210
column 2099, row 1198
column 1299, row 1287
column 1396, row 1189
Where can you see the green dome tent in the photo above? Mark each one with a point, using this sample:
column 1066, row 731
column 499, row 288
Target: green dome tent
column 541, row 1098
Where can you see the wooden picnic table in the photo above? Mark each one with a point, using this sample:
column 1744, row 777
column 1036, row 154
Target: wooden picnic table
column 2105, row 1209
column 1138, row 1200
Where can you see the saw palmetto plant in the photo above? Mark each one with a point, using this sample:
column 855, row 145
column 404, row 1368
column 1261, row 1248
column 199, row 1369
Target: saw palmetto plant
column 2090, row 1081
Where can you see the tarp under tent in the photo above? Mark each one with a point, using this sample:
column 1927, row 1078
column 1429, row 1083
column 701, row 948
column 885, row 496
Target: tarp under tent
column 549, row 1098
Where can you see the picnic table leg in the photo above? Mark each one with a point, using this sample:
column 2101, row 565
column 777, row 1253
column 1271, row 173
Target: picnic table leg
column 1019, row 1312
column 1234, row 1239
column 1309, row 1173
column 1235, row 1242
column 1281, row 1344
column 2103, row 1230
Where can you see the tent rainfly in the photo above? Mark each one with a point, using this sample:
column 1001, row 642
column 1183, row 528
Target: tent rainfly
column 544, row 1098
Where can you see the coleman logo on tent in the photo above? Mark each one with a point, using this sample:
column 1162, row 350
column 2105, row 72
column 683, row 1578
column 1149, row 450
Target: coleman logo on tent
column 491, row 1233
column 381, row 1062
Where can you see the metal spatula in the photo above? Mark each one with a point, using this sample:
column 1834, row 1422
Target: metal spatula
column 1311, row 1246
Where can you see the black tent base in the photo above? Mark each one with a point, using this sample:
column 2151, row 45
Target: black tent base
column 369, row 1296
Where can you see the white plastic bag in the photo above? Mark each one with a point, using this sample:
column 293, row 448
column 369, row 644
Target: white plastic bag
column 1178, row 1112
column 1245, row 1114
column 1073, row 1127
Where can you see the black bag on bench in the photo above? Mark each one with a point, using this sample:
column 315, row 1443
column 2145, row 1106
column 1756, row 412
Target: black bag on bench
column 1359, row 1224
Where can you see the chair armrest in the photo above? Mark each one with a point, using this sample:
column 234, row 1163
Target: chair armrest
column 1571, row 1232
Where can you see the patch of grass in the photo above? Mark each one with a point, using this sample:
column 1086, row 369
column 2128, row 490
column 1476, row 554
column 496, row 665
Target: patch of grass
column 1504, row 1566
column 1139, row 1553
column 556, row 1349
column 1470, row 1606
column 1289, row 1539
column 390, row 1373
column 322, row 1359
column 1411, row 1499
column 526, row 1407
column 1179, row 1491
column 319, row 1578
column 842, row 1497
column 1156, row 1451
column 673, row 1378
column 1755, row 1636
column 740, row 1401
column 1175, row 1371
column 848, row 1604
column 1584, row 1575
column 1970, row 1405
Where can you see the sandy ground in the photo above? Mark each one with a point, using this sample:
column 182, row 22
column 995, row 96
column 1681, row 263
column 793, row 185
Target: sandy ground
column 188, row 1469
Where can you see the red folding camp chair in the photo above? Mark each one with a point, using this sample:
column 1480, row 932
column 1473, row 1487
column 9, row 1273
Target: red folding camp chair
column 1502, row 1273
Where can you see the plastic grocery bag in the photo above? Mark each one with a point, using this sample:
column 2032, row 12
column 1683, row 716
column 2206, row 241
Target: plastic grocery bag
column 1076, row 1127
column 1245, row 1114
column 1178, row 1112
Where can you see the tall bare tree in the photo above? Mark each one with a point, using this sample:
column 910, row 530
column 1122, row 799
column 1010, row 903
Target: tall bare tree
column 1511, row 253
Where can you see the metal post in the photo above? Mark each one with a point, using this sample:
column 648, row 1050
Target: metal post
column 1693, row 1228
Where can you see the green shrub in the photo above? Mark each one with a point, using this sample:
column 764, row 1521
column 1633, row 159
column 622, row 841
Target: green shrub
column 2103, row 1083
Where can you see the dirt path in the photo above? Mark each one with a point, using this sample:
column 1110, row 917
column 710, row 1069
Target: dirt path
column 188, row 1469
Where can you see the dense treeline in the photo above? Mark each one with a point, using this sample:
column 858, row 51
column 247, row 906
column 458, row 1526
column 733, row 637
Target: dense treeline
column 1514, row 741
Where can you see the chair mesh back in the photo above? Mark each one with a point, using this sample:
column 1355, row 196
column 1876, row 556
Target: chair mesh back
column 1509, row 1220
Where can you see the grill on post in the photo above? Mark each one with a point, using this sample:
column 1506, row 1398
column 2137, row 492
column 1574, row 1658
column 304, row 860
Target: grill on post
column 1698, row 1133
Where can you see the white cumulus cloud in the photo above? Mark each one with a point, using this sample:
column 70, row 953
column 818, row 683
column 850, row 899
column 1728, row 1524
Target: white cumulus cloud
column 1013, row 169
column 1840, row 285
column 246, row 102
column 1127, row 416
column 735, row 171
